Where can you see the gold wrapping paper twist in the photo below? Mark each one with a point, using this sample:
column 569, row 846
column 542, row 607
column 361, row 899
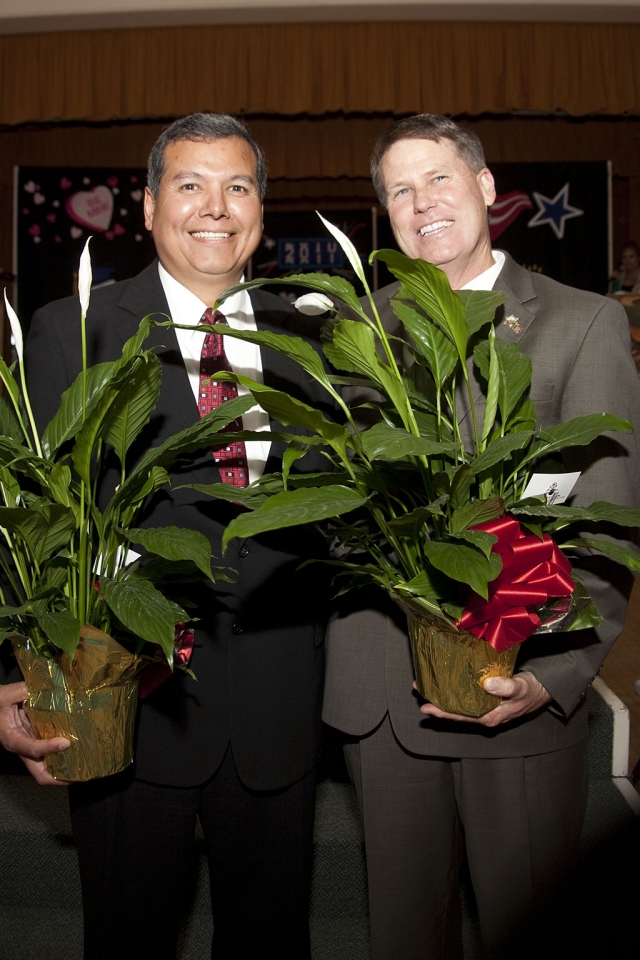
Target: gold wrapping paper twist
column 92, row 702
column 451, row 665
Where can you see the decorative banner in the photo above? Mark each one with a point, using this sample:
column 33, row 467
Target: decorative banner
column 291, row 244
column 57, row 209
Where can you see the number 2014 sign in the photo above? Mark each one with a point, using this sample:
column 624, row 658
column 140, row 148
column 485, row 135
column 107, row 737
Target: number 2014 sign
column 309, row 253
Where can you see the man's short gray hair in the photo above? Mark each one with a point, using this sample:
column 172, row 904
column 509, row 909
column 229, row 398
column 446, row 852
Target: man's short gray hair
column 202, row 127
column 426, row 126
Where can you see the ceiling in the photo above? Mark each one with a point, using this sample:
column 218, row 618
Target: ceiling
column 34, row 16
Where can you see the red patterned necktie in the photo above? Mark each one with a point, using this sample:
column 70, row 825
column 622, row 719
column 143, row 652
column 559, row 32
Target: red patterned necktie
column 231, row 458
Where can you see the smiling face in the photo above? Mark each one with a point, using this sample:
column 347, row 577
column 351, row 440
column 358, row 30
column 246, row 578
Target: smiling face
column 206, row 220
column 438, row 207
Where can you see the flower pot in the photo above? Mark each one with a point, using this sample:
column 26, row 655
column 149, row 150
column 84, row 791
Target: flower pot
column 92, row 702
column 451, row 665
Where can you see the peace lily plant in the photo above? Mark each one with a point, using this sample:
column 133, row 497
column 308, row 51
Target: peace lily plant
column 66, row 563
column 402, row 499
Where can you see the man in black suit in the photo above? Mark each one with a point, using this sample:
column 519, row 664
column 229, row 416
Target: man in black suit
column 238, row 747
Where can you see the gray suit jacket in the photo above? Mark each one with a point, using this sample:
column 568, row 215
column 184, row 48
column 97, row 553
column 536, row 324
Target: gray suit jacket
column 579, row 345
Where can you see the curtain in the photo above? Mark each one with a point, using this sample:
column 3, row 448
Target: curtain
column 321, row 68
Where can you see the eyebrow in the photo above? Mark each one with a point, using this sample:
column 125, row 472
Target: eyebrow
column 192, row 175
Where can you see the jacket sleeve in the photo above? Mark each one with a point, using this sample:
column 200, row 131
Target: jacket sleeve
column 603, row 379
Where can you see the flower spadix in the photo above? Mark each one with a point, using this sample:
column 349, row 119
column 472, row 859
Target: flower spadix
column 313, row 304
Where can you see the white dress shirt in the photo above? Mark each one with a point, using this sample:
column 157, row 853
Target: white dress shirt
column 487, row 279
column 243, row 357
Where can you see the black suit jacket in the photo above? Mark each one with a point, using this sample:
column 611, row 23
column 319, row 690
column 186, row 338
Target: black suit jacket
column 258, row 653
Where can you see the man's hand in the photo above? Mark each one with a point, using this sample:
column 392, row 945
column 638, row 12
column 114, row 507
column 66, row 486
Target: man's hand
column 520, row 695
column 16, row 735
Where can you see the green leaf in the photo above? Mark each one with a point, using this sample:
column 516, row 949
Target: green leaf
column 499, row 449
column 295, row 451
column 434, row 346
column 44, row 529
column 464, row 564
column 173, row 543
column 295, row 348
column 248, row 496
column 142, row 609
column 9, row 423
column 159, row 570
column 420, row 586
column 393, row 443
column 67, row 420
column 353, row 348
column 430, row 288
column 135, row 402
column 514, row 370
column 478, row 538
column 322, row 282
column 291, row 412
column 587, row 617
column 197, row 436
column 410, row 524
column 493, row 388
column 480, row 307
column 62, row 629
column 624, row 555
column 293, row 508
column 10, row 404
column 576, row 433
column 461, row 484
column 59, row 485
column 479, row 511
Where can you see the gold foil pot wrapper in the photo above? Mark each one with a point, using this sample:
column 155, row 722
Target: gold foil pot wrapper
column 92, row 702
column 451, row 665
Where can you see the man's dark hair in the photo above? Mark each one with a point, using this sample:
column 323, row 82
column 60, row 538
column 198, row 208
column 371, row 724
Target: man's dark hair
column 204, row 127
column 426, row 126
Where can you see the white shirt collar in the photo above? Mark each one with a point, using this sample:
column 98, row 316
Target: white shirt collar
column 486, row 280
column 186, row 308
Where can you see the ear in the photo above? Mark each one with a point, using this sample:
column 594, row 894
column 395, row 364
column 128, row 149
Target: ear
column 149, row 207
column 487, row 186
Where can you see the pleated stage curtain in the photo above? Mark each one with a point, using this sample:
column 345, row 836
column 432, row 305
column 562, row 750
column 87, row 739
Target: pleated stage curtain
column 319, row 68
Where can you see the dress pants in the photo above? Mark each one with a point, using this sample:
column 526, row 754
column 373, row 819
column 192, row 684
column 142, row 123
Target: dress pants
column 518, row 818
column 135, row 843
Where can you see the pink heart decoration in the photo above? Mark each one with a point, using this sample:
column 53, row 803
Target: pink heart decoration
column 30, row 186
column 133, row 179
column 51, row 217
column 38, row 199
column 75, row 232
column 34, row 230
column 91, row 208
column 136, row 195
column 112, row 181
column 65, row 184
column 109, row 235
column 118, row 230
column 138, row 237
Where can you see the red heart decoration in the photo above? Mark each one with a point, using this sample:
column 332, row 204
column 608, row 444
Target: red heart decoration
column 65, row 184
column 112, row 181
column 118, row 230
column 51, row 217
column 34, row 230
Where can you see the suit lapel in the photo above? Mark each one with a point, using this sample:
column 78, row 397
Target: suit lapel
column 177, row 407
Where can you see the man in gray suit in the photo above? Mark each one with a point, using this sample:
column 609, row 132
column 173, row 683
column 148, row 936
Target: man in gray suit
column 511, row 786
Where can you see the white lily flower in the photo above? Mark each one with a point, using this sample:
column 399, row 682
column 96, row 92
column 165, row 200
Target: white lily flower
column 313, row 304
column 85, row 278
column 348, row 248
column 16, row 329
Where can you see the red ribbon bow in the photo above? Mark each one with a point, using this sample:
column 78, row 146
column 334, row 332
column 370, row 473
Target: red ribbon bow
column 533, row 570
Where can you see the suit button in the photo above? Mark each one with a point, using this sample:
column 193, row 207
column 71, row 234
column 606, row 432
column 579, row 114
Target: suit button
column 237, row 628
column 243, row 551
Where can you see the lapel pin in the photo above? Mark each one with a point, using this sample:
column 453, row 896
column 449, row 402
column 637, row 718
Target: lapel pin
column 513, row 323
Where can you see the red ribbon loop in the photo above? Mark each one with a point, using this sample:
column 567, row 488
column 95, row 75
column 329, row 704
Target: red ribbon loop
column 533, row 571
